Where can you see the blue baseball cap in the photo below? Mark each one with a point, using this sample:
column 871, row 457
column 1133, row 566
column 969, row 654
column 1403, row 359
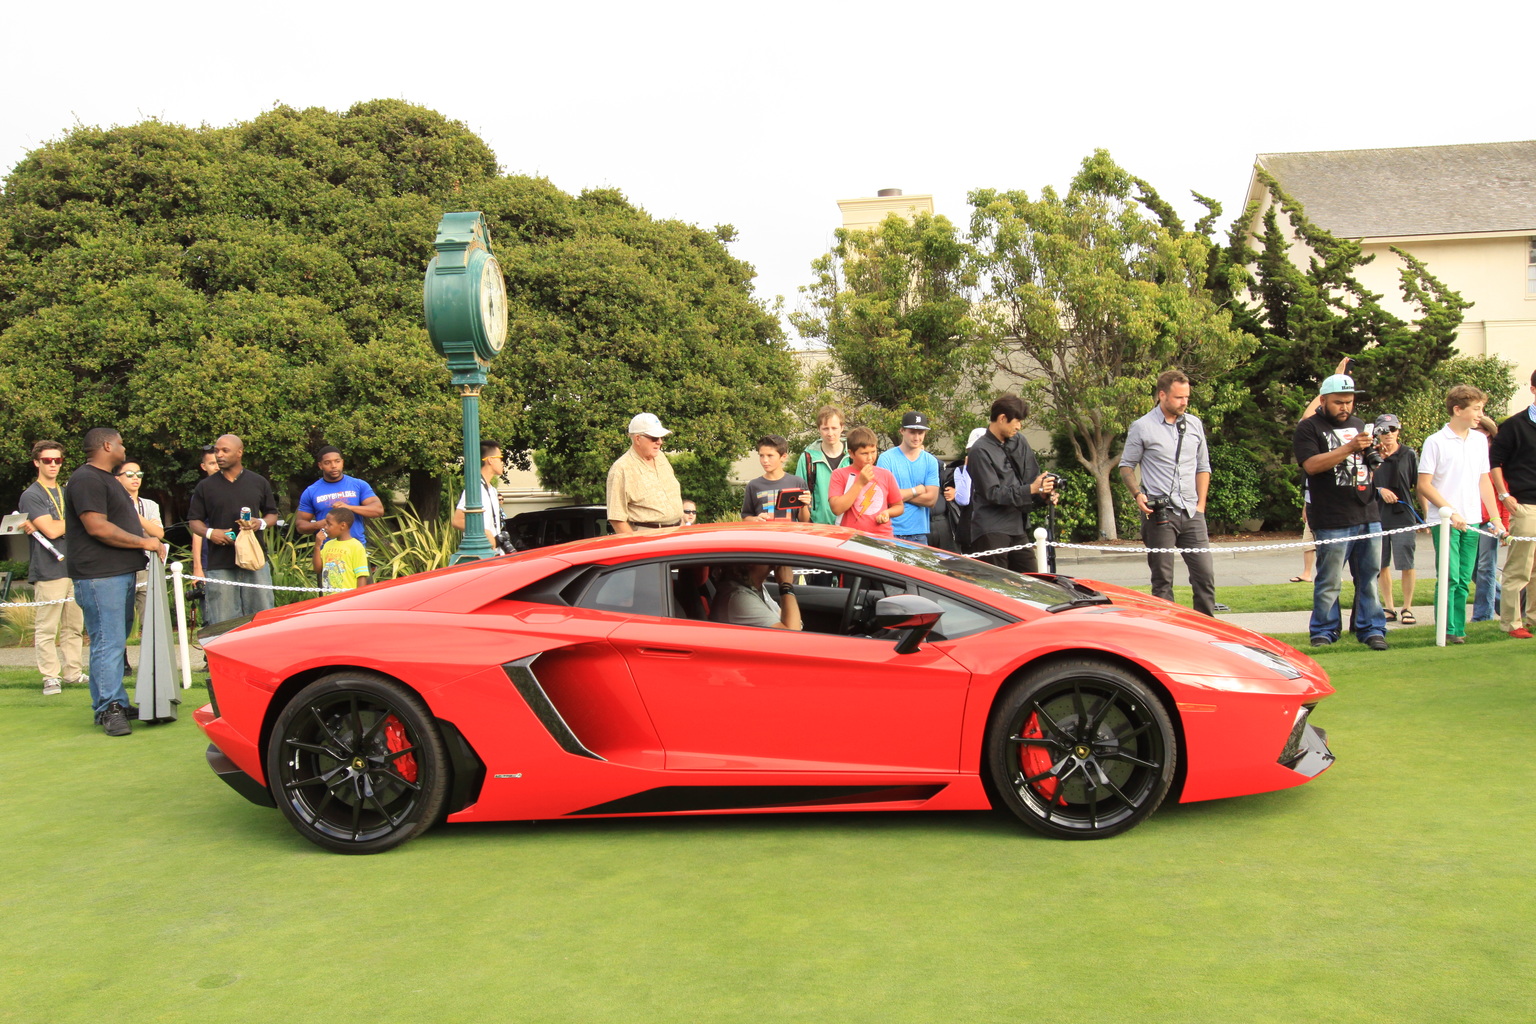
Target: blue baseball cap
column 1338, row 384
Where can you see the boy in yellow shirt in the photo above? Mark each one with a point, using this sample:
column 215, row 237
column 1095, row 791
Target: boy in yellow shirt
column 341, row 560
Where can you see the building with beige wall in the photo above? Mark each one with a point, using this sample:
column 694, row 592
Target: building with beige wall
column 1469, row 212
column 869, row 212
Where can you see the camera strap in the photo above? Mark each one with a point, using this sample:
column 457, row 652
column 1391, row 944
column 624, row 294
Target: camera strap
column 1178, row 451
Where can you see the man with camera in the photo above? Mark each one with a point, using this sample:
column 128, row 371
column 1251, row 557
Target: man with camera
column 1340, row 458
column 1168, row 446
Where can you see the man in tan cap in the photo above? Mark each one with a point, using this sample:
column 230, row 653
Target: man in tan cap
column 642, row 492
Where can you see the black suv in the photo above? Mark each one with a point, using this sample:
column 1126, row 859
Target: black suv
column 557, row 525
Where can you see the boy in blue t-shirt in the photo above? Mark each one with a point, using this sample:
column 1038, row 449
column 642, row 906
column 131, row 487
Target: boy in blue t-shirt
column 341, row 560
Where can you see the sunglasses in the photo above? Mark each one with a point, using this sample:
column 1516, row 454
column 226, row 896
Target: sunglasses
column 45, row 460
column 133, row 473
column 690, row 511
column 654, row 440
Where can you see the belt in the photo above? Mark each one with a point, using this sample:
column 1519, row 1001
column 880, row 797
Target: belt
column 653, row 526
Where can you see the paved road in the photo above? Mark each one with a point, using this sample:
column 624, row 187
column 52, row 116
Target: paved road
column 1235, row 569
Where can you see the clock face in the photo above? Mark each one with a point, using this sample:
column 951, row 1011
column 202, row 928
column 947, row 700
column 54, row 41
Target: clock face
column 493, row 304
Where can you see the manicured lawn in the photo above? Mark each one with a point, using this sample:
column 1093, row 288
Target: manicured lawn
column 1297, row 597
column 1396, row 887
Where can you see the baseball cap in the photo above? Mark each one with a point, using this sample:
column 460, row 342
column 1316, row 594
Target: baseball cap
column 1338, row 384
column 648, row 423
column 914, row 421
column 970, row 442
column 1386, row 420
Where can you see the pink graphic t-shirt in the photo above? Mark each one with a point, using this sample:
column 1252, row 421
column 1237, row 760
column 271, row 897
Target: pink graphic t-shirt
column 875, row 499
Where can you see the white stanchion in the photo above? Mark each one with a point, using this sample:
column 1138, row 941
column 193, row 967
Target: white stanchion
column 1443, row 575
column 181, row 625
column 1042, row 550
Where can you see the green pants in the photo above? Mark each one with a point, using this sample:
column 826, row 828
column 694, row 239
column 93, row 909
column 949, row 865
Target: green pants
column 1463, row 561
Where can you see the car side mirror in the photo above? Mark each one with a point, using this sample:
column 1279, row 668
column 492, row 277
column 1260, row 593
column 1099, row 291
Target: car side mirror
column 914, row 615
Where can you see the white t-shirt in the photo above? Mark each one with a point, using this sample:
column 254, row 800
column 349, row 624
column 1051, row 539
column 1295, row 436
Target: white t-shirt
column 1455, row 465
column 490, row 504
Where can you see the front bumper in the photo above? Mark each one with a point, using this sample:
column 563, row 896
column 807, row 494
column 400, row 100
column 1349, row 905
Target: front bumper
column 1306, row 750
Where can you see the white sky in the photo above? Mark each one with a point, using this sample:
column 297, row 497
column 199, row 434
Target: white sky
column 764, row 115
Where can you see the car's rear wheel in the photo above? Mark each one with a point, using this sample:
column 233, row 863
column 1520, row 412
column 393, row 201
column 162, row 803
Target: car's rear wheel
column 356, row 763
column 1081, row 750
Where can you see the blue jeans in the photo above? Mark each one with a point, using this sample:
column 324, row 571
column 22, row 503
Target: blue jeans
column 1486, row 604
column 1364, row 558
column 107, row 606
column 225, row 602
column 913, row 538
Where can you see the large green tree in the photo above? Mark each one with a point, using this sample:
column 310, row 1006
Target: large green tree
column 1306, row 314
column 894, row 306
column 265, row 279
column 1088, row 300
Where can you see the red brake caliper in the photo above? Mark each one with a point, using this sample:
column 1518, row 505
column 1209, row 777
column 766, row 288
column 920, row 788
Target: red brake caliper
column 1037, row 760
column 395, row 739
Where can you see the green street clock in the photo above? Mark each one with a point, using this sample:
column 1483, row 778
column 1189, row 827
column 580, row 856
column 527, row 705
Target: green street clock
column 465, row 301
column 464, row 297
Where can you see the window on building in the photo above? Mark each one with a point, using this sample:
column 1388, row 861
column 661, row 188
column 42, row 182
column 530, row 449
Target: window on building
column 1530, row 270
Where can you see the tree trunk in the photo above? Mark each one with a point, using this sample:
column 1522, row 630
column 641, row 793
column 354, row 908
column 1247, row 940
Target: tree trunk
column 1102, row 477
column 426, row 495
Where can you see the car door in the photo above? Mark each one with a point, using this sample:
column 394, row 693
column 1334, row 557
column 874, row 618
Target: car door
column 750, row 698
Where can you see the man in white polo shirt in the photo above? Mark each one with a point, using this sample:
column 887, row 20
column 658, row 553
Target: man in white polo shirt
column 1453, row 474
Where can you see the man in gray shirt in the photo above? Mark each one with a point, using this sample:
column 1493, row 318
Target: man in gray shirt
column 1168, row 444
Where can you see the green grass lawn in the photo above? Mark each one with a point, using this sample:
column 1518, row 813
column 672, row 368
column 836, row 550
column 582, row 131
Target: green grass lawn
column 1396, row 887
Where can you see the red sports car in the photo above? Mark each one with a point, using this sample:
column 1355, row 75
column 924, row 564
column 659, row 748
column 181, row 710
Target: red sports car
column 591, row 679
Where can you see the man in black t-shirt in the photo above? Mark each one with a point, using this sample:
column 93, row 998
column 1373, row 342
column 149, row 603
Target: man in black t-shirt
column 215, row 514
column 106, row 552
column 1330, row 446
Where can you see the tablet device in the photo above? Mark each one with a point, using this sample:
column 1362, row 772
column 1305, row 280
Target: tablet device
column 789, row 500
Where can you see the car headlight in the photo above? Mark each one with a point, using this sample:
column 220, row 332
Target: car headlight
column 1259, row 656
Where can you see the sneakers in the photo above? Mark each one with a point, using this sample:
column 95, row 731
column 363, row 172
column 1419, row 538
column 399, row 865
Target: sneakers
column 1519, row 633
column 113, row 720
column 1456, row 639
column 84, row 680
column 1322, row 641
column 1376, row 642
column 51, row 685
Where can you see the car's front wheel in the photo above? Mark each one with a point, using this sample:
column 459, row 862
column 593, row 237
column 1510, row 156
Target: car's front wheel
column 1081, row 750
column 356, row 763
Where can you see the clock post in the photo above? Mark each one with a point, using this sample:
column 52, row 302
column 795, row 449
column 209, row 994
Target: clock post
column 464, row 298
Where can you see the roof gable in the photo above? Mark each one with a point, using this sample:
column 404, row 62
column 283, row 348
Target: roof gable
column 1421, row 190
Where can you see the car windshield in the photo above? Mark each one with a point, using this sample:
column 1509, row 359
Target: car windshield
column 1031, row 589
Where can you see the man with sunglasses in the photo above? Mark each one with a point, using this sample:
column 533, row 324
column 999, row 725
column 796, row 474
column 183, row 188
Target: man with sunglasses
column 131, row 476
column 492, row 467
column 643, row 493
column 57, row 628
column 1396, row 479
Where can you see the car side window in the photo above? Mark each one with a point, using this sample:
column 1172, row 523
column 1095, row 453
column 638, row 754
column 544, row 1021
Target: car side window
column 630, row 590
column 959, row 619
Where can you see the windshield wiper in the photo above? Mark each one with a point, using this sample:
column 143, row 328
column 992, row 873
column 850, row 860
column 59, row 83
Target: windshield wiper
column 1081, row 595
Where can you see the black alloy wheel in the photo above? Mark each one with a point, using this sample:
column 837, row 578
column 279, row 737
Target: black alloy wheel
column 357, row 764
column 1081, row 750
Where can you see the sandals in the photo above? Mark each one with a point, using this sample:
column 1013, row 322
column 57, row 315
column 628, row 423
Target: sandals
column 1406, row 617
column 1300, row 579
column 1390, row 614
